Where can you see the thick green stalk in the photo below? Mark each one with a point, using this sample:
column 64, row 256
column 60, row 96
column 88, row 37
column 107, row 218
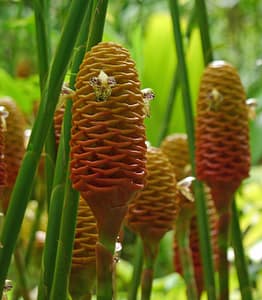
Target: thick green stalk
column 35, row 227
column 42, row 40
column 150, row 254
column 204, row 32
column 65, row 245
column 41, row 9
column 97, row 22
column 137, row 270
column 202, row 218
column 174, row 86
column 81, row 45
column 22, row 287
column 182, row 69
column 182, row 234
column 104, row 255
column 57, row 197
column 240, row 260
column 223, row 267
column 170, row 105
column 40, row 129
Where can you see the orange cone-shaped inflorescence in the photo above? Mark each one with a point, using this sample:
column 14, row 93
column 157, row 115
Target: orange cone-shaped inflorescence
column 83, row 271
column 152, row 213
column 222, row 134
column 108, row 134
column 175, row 146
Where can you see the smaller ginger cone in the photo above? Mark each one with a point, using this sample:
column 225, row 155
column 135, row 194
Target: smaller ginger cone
column 152, row 213
column 222, row 148
column 175, row 146
column 83, row 270
column 14, row 146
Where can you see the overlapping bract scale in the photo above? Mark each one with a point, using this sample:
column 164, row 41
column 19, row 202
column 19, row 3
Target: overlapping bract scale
column 108, row 136
column 222, row 134
column 153, row 211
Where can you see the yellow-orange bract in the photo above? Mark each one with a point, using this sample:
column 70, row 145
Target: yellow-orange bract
column 153, row 211
column 175, row 146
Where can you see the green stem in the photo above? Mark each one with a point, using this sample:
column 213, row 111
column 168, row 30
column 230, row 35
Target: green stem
column 137, row 270
column 223, row 267
column 182, row 69
column 23, row 287
column 81, row 45
column 65, row 245
column 104, row 259
column 97, row 22
column 205, row 245
column 35, row 227
column 175, row 85
column 204, row 32
column 42, row 40
column 240, row 260
column 182, row 234
column 170, row 105
column 201, row 210
column 150, row 254
column 40, row 129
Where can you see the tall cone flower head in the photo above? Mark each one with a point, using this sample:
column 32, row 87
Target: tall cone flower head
column 152, row 212
column 222, row 136
column 108, row 135
column 175, row 146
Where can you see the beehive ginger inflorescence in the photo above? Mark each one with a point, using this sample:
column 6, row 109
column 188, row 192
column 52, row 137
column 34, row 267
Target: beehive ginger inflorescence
column 222, row 132
column 108, row 133
column 153, row 211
